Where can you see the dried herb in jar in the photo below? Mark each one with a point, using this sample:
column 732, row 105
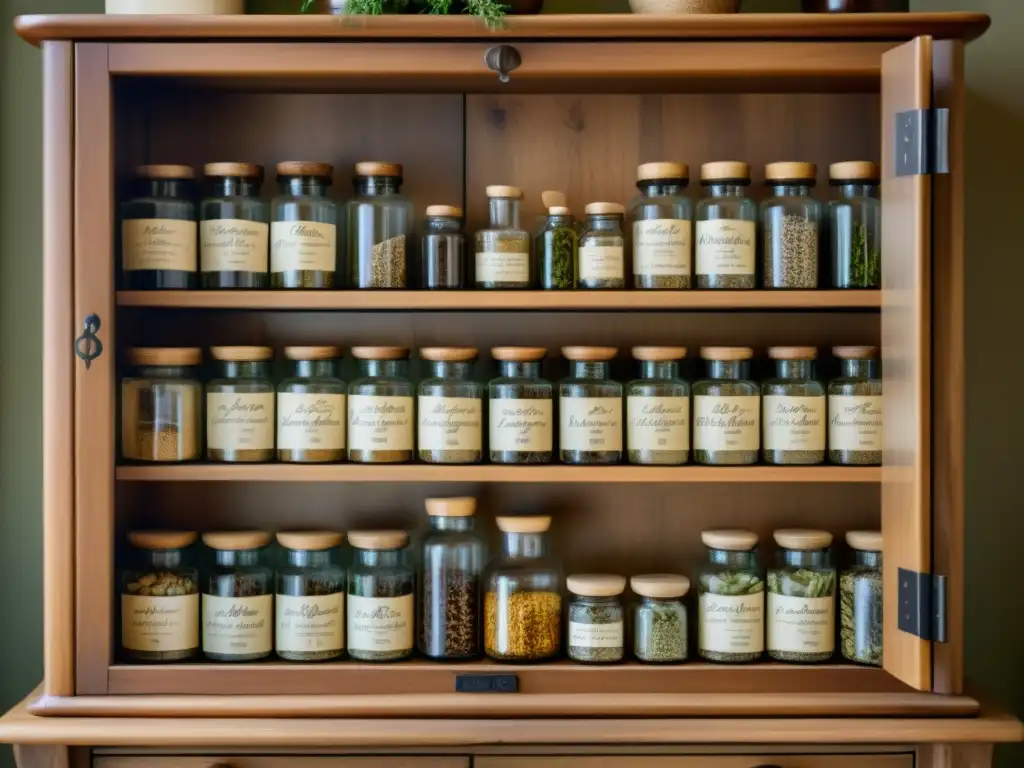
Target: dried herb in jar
column 503, row 249
column 311, row 408
column 732, row 596
column 310, row 602
column 794, row 409
column 238, row 600
column 658, row 409
column 596, row 626
column 381, row 407
column 791, row 220
column 590, row 408
column 450, row 407
column 304, row 227
column 521, row 408
column 855, row 225
column 662, row 228
column 381, row 587
column 855, row 409
column 379, row 223
column 602, row 262
column 801, row 598
column 557, row 251
column 659, row 622
column 726, row 242
column 240, row 406
column 860, row 600
column 726, row 409
column 161, row 405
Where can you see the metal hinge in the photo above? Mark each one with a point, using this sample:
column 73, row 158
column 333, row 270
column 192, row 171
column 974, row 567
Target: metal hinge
column 922, row 604
column 922, row 142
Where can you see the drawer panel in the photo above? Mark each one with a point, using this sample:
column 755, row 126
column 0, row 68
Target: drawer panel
column 282, row 761
column 701, row 761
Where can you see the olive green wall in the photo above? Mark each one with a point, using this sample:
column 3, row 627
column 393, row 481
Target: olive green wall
column 995, row 269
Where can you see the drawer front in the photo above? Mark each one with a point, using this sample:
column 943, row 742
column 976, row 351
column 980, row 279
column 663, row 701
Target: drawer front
column 281, row 761
column 702, row 761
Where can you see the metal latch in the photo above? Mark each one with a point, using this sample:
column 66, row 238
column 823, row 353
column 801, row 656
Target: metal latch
column 922, row 142
column 922, row 605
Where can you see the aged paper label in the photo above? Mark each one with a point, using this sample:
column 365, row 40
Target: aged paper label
column 158, row 244
column 380, row 423
column 303, row 245
column 234, row 245
column 662, row 247
column 726, row 247
column 590, row 423
column 310, row 623
column 160, row 623
column 239, row 421
column 521, row 425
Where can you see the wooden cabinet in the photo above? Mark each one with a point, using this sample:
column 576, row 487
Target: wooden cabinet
column 702, row 761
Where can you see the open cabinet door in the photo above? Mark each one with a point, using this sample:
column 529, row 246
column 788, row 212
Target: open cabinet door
column 906, row 356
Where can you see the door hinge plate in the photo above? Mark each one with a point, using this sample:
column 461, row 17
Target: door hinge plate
column 922, row 605
column 922, row 142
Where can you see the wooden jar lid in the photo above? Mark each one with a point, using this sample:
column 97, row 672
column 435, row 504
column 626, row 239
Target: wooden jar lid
column 378, row 539
column 241, row 354
column 725, row 170
column 726, row 353
column 662, row 170
column 165, row 356
column 305, row 168
column 162, row 539
column 866, row 541
column 731, row 540
column 380, row 353
column 793, row 353
column 374, row 168
column 596, row 584
column 165, row 172
column 241, row 170
column 518, row 354
column 310, row 541
column 854, row 170
column 659, row 354
column 803, row 538
column 524, row 523
column 598, row 209
column 236, row 540
column 449, row 354
column 660, row 585
column 790, row 171
column 855, row 353
column 501, row 190
column 451, row 211
column 312, row 353
column 589, row 354
column 559, row 210
column 462, row 506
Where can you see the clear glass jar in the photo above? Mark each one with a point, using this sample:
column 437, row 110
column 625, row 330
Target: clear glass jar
column 558, row 251
column 802, row 598
column 662, row 228
column 523, row 602
column 659, row 620
column 451, row 408
column 855, row 408
column 726, row 246
column 730, row 620
column 793, row 409
column 159, row 234
column 238, row 597
column 310, row 600
column 603, row 247
column 726, row 409
column 596, row 624
column 234, row 233
column 791, row 223
column 860, row 600
column 453, row 564
column 521, row 408
column 855, row 226
column 444, row 249
column 240, row 406
column 381, row 410
column 311, row 412
column 658, row 409
column 162, row 405
column 503, row 249
column 160, row 598
column 304, row 227
column 589, row 408
column 381, row 602
column 380, row 227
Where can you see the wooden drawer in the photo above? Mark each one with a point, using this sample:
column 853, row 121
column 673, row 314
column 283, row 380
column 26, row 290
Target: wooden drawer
column 285, row 761
column 701, row 761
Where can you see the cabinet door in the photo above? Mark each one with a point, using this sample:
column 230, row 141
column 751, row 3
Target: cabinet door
column 700, row 761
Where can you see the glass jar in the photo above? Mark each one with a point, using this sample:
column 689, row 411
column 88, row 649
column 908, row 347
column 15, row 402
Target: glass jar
column 855, row 226
column 855, row 408
column 596, row 626
column 791, row 222
column 802, row 598
column 602, row 247
column 381, row 407
column 310, row 601
column 380, row 226
column 726, row 228
column 521, row 408
column 453, row 564
column 860, row 600
column 160, row 598
column 380, row 597
column 558, row 250
column 662, row 228
column 162, row 405
column 793, row 409
column 240, row 406
column 304, row 227
column 311, row 412
column 238, row 597
column 726, row 409
column 658, row 409
column 589, row 408
column 444, row 249
column 659, row 620
column 234, row 233
column 451, row 408
column 730, row 620
column 503, row 250
column 523, row 602
column 158, row 230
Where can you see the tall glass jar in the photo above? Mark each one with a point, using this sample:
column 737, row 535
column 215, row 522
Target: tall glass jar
column 662, row 228
column 381, row 410
column 158, row 230
column 730, row 620
column 855, row 408
column 160, row 598
column 311, row 412
column 240, row 406
column 444, row 249
column 238, row 597
column 304, row 227
column 596, row 620
column 726, row 244
column 521, row 408
column 802, row 598
column 793, row 409
column 602, row 252
column 855, row 226
column 589, row 408
column 453, row 563
column 503, row 249
column 659, row 620
column 310, row 600
column 658, row 409
column 523, row 602
column 380, row 227
column 234, row 233
column 381, row 587
column 726, row 409
column 162, row 405
column 558, row 250
column 860, row 600
column 791, row 222
column 451, row 408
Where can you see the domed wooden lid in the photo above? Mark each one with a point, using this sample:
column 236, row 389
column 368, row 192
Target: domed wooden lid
column 241, row 170
column 596, row 584
column 726, row 353
column 855, row 353
column 803, row 538
column 171, row 356
column 728, row 539
column 518, row 354
column 462, row 506
column 725, row 170
column 310, row 540
column 792, row 353
column 524, row 523
column 449, row 211
column 162, row 539
column 612, row 209
column 380, row 353
column 378, row 539
column 305, row 168
column 501, row 190
column 854, row 170
column 866, row 541
column 659, row 354
column 236, row 540
column 790, row 171
column 589, row 354
column 312, row 353
column 375, row 168
column 663, row 170
column 662, row 585
column 241, row 354
column 181, row 172
column 449, row 354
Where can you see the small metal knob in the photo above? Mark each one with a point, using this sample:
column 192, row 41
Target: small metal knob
column 503, row 59
column 88, row 346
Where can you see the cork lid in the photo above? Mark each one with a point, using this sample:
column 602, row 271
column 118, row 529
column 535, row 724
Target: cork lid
column 310, row 540
column 866, row 541
column 236, row 540
column 559, row 210
column 162, row 539
column 462, row 506
column 728, row 539
column 378, row 539
column 589, row 354
column 598, row 209
column 500, row 190
column 554, row 199
column 450, row 211
column 449, row 354
column 855, row 353
column 165, row 172
column 241, row 170
column 241, row 354
column 596, row 584
column 312, row 353
column 165, row 356
column 793, row 353
column 518, row 354
column 305, row 168
column 524, row 523
column 790, row 171
column 653, row 171
column 375, row 168
column 380, row 353
column 803, row 538
column 660, row 585
column 854, row 170
column 726, row 353
column 659, row 354
column 725, row 170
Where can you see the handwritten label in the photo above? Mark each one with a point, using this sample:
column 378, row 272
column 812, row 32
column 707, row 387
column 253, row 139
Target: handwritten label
column 239, row 421
column 855, row 422
column 726, row 423
column 731, row 623
column 310, row 623
column 238, row 626
column 380, row 623
column 310, row 422
column 521, row 425
column 794, row 423
column 158, row 244
column 234, row 245
column 725, row 247
column 602, row 262
column 595, row 635
column 508, row 267
column 662, row 247
column 303, row 245
column 450, row 423
column 658, row 423
column 801, row 624
column 380, row 423
column 590, row 424
column 160, row 623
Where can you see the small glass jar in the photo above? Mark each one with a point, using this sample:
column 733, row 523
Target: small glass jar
column 453, row 563
column 726, row 409
column 855, row 408
column 444, row 249
column 450, row 407
column 663, row 228
column 381, row 409
column 860, row 600
column 162, row 405
column 730, row 620
column 381, row 607
column 240, row 406
column 234, row 233
column 158, row 230
column 793, row 409
column 726, row 244
column 791, row 223
column 596, row 626
column 658, row 409
column 855, row 226
column 603, row 247
column 521, row 408
column 310, row 600
column 311, row 412
column 802, row 598
column 659, row 620
column 523, row 602
column 304, row 227
column 558, row 250
column 589, row 408
column 503, row 249
column 380, row 227
column 160, row 598
column 238, row 597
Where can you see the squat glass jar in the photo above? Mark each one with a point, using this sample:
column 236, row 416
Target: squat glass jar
column 662, row 228
column 726, row 246
column 234, row 233
column 596, row 626
column 311, row 412
column 304, row 227
column 730, row 620
column 159, row 231
column 450, row 407
column 793, row 409
column 238, row 597
column 658, row 409
column 444, row 249
column 855, row 408
column 791, row 222
column 240, row 406
column 855, row 226
column 380, row 226
column 381, row 408
column 602, row 252
column 381, row 608
column 802, row 598
column 310, row 600
column 558, row 250
column 503, row 249
column 590, row 408
column 521, row 408
column 860, row 600
column 726, row 409
column 659, row 620
column 162, row 405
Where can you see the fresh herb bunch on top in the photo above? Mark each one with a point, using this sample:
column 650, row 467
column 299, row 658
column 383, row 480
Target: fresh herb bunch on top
column 491, row 11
